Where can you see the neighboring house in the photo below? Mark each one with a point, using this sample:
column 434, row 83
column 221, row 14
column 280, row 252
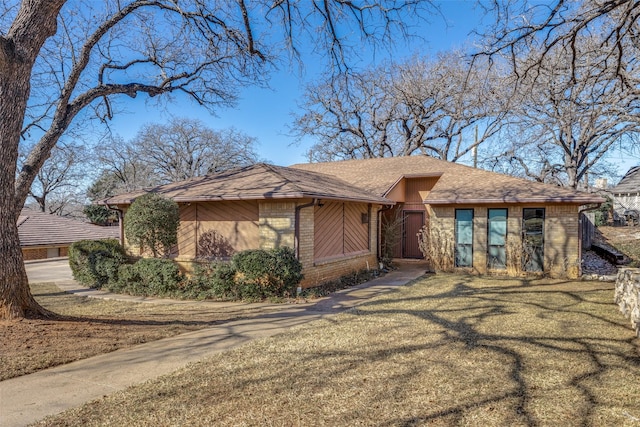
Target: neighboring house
column 332, row 214
column 49, row 236
column 626, row 195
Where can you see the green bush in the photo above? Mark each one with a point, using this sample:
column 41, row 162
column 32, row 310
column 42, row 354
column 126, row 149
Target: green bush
column 95, row 263
column 152, row 223
column 149, row 277
column 267, row 273
column 252, row 275
column 213, row 280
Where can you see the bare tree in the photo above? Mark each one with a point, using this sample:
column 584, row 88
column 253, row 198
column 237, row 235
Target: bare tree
column 439, row 107
column 569, row 116
column 60, row 60
column 186, row 148
column 522, row 28
column 58, row 183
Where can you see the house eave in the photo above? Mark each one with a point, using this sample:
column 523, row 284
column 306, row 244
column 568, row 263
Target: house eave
column 514, row 200
column 261, row 196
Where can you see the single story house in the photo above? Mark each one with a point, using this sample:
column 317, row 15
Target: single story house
column 626, row 195
column 348, row 215
column 49, row 236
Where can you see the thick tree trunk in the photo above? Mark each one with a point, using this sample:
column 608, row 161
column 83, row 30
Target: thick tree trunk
column 15, row 296
column 34, row 23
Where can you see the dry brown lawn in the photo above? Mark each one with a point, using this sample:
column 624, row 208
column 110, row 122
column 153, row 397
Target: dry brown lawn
column 624, row 239
column 447, row 350
column 96, row 326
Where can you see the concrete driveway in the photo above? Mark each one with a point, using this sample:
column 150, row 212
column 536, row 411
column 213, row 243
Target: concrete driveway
column 56, row 270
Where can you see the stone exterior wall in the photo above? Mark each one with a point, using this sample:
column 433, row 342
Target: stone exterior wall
column 627, row 296
column 561, row 242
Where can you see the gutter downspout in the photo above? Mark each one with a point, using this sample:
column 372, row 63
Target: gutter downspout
column 296, row 238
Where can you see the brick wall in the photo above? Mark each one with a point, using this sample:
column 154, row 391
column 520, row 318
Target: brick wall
column 561, row 243
column 30, row 254
column 276, row 224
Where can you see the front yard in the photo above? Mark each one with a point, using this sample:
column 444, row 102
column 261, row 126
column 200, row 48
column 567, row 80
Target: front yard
column 447, row 350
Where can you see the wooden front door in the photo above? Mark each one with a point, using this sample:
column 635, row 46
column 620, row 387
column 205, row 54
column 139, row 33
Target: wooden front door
column 411, row 225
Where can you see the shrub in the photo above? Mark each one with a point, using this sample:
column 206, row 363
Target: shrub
column 267, row 273
column 152, row 223
column 95, row 263
column 252, row 275
column 149, row 277
column 214, row 280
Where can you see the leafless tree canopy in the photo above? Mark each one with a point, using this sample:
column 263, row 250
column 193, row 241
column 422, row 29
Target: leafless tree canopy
column 63, row 60
column 576, row 71
column 543, row 28
column 163, row 153
column 427, row 106
column 57, row 188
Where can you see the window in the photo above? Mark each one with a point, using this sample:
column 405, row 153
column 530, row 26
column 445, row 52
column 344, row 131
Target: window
column 533, row 236
column 497, row 238
column 464, row 238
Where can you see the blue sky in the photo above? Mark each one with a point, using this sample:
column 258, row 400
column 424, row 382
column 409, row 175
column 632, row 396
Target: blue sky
column 266, row 113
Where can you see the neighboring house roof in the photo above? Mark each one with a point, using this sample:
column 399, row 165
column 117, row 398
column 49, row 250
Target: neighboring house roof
column 260, row 181
column 630, row 183
column 41, row 229
column 457, row 183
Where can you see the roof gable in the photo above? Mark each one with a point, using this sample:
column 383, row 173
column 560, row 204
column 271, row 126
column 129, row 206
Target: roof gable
column 630, row 182
column 257, row 182
column 457, row 183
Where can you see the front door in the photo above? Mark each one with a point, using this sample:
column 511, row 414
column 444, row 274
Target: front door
column 412, row 223
column 533, row 239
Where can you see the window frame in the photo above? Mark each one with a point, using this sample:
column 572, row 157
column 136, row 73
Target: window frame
column 457, row 245
column 490, row 265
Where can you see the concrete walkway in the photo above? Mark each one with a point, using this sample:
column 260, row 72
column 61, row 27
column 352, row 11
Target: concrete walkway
column 29, row 398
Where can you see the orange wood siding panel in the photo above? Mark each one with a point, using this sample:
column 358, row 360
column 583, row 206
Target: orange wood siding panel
column 338, row 229
column 187, row 231
column 416, row 190
column 236, row 222
column 328, row 230
column 356, row 234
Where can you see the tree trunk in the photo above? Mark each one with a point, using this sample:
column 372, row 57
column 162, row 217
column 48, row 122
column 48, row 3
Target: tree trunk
column 34, row 23
column 15, row 296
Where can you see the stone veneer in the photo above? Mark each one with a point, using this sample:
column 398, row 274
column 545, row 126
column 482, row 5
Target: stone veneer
column 627, row 295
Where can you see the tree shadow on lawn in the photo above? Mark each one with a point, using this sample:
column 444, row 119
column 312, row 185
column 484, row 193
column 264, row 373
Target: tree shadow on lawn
column 551, row 339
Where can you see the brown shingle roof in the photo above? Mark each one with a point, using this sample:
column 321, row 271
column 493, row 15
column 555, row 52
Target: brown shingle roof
column 630, row 183
column 260, row 181
column 41, row 229
column 457, row 183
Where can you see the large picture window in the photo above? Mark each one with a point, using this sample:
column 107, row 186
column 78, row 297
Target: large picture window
column 497, row 239
column 464, row 238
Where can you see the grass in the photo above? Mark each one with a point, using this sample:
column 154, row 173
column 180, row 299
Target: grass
column 447, row 350
column 95, row 326
column 624, row 239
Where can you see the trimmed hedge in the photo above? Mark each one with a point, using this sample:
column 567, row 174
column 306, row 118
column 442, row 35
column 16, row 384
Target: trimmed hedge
column 149, row 277
column 252, row 275
column 95, row 263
